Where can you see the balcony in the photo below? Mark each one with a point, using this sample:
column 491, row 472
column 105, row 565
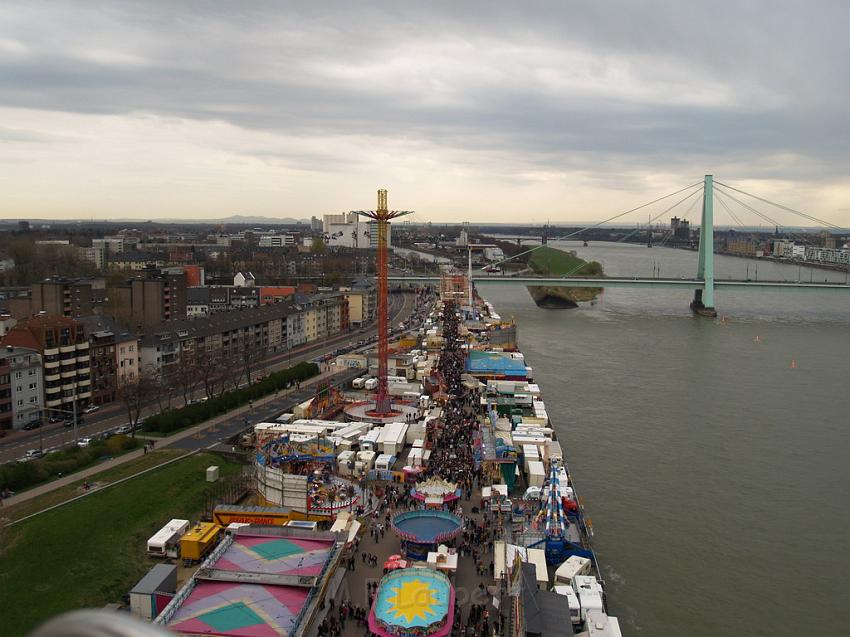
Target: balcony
column 84, row 346
column 53, row 403
column 52, row 351
column 85, row 394
column 68, row 349
column 51, row 364
column 51, row 377
column 69, row 386
column 83, row 358
column 53, row 390
column 69, row 374
column 84, row 381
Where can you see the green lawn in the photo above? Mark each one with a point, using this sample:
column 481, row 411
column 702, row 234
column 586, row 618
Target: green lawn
column 91, row 552
column 554, row 262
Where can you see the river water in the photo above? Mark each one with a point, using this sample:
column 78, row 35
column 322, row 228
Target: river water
column 713, row 455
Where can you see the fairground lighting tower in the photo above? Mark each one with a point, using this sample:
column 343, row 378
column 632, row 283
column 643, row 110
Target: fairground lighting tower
column 383, row 405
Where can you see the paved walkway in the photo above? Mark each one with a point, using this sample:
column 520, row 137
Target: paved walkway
column 159, row 443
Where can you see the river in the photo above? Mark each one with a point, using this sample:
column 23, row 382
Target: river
column 712, row 455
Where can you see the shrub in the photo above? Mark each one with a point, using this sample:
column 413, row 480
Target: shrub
column 175, row 419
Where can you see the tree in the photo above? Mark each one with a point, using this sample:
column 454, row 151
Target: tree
column 318, row 246
column 186, row 375
column 134, row 394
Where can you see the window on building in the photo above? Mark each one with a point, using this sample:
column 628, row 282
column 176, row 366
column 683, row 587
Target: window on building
column 33, row 385
column 18, row 374
column 20, row 402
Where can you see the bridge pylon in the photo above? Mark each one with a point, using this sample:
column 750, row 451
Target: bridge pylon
column 703, row 303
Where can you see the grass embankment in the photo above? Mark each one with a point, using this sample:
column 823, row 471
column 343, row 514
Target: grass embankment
column 92, row 551
column 18, row 476
column 553, row 262
column 97, row 481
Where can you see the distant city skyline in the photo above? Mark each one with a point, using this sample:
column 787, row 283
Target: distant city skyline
column 562, row 112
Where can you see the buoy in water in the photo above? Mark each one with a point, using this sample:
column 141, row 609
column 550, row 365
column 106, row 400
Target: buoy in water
column 793, row 363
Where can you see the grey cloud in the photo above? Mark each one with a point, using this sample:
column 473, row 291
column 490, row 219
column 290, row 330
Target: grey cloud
column 292, row 70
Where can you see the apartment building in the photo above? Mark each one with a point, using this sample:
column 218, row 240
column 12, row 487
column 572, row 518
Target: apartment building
column 149, row 300
column 264, row 330
column 26, row 383
column 64, row 349
column 362, row 300
column 114, row 357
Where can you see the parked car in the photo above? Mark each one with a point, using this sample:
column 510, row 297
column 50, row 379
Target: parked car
column 84, row 442
column 90, row 409
column 124, row 429
column 32, row 425
column 32, row 454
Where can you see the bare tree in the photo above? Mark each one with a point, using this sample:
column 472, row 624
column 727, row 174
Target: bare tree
column 134, row 394
column 186, row 375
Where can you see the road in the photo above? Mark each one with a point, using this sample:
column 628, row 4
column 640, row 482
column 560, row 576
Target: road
column 54, row 436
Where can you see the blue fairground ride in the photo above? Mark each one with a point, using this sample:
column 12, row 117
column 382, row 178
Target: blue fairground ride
column 563, row 520
column 283, row 450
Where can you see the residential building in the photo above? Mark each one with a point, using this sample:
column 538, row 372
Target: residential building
column 362, row 300
column 271, row 240
column 135, row 261
column 243, row 280
column 263, row 328
column 838, row 256
column 325, row 315
column 59, row 296
column 26, row 383
column 64, row 348
column 275, row 294
column 94, row 255
column 149, row 300
column 197, row 301
column 114, row 357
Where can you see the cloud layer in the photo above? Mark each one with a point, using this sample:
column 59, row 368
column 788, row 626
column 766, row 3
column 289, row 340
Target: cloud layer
column 479, row 111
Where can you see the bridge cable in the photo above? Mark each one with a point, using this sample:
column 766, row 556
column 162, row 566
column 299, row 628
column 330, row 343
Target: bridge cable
column 779, row 205
column 729, row 210
column 766, row 217
column 661, row 214
column 596, row 225
column 669, row 234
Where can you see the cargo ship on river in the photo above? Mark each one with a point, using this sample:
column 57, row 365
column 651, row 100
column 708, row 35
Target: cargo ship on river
column 456, row 516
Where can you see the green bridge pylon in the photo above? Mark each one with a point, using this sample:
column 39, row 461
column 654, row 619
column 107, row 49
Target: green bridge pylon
column 703, row 302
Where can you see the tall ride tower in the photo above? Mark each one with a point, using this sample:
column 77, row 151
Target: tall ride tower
column 382, row 216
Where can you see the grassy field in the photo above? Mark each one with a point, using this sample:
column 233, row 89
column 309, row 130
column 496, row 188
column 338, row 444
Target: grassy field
column 46, row 500
column 554, row 262
column 91, row 552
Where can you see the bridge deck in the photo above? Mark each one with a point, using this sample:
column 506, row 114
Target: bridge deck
column 636, row 282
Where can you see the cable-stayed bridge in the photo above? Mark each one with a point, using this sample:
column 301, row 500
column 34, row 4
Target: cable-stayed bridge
column 703, row 284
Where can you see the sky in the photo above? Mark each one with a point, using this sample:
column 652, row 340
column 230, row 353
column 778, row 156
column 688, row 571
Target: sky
column 465, row 111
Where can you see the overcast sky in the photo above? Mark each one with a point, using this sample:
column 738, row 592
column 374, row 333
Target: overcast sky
column 480, row 111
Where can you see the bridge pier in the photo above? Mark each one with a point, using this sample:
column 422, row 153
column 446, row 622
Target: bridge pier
column 703, row 303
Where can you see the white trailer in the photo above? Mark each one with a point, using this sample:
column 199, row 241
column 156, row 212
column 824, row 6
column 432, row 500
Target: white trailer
column 572, row 600
column 367, row 458
column 357, row 383
column 371, row 384
column 345, row 463
column 384, row 462
column 574, row 566
column 536, row 474
column 601, row 625
column 589, row 593
column 166, row 541
column 392, row 438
